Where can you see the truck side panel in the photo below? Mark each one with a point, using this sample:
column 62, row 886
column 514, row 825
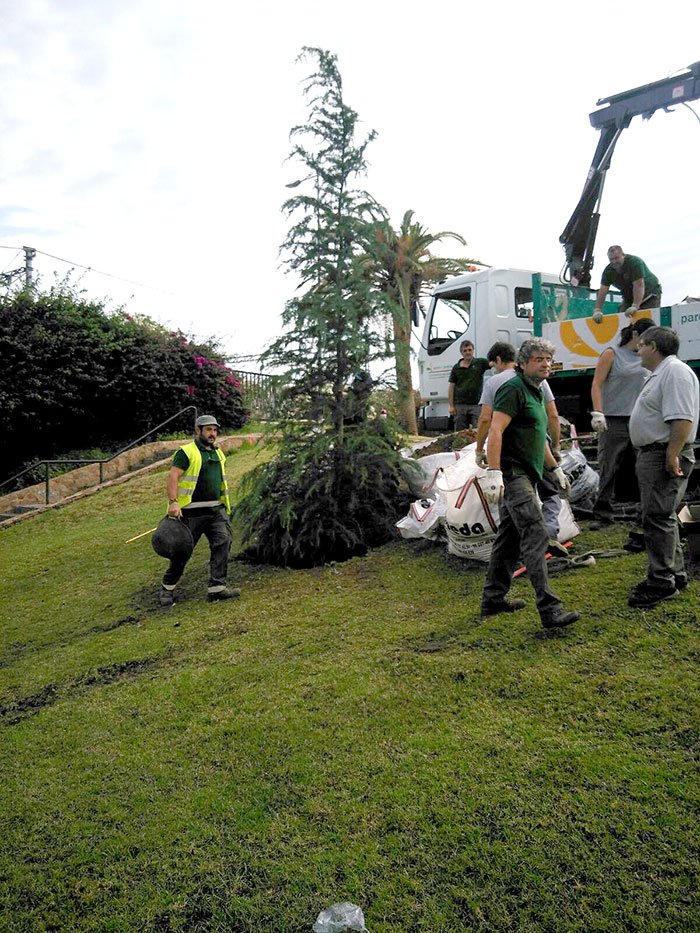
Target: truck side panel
column 563, row 315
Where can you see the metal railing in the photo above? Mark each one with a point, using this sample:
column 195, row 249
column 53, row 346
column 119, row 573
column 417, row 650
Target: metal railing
column 259, row 391
column 47, row 463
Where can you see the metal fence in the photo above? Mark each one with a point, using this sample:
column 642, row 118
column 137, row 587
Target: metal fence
column 47, row 464
column 259, row 391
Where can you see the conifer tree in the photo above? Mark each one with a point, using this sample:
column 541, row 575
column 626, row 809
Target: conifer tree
column 333, row 489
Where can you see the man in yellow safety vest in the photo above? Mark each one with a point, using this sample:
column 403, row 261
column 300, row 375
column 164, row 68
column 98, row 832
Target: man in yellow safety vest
column 198, row 496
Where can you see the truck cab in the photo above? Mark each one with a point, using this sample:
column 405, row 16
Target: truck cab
column 485, row 306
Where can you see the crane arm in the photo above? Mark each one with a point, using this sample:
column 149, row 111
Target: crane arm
column 578, row 238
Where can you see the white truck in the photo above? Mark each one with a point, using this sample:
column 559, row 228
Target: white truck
column 513, row 304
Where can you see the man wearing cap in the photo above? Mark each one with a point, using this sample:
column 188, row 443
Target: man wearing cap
column 198, row 496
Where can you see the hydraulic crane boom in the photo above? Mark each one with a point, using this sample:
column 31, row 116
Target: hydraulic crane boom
column 578, row 238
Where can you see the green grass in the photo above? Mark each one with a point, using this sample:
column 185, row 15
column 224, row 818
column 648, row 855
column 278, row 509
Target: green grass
column 346, row 733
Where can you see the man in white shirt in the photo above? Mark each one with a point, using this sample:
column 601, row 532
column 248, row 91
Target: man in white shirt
column 662, row 426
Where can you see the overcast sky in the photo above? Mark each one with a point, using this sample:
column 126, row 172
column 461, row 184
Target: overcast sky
column 147, row 139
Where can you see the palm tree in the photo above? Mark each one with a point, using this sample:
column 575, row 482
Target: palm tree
column 401, row 266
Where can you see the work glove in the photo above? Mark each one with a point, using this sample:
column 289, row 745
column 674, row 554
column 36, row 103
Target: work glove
column 493, row 486
column 631, row 310
column 562, row 482
column 556, row 453
column 482, row 460
column 598, row 422
column 598, row 316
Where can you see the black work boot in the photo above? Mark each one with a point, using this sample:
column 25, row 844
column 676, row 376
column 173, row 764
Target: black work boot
column 560, row 618
column 226, row 593
column 494, row 607
column 166, row 598
column 644, row 595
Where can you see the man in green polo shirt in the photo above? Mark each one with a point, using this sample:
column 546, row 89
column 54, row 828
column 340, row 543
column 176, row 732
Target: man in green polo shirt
column 198, row 496
column 639, row 286
column 464, row 386
column 518, row 454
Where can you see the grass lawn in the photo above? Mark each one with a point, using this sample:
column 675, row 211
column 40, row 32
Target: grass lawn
column 351, row 732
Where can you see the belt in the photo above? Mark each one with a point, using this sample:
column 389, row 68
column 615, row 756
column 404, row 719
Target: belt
column 645, row 448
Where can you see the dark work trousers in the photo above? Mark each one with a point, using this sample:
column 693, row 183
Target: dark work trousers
column 522, row 534
column 466, row 416
column 214, row 524
column 661, row 495
column 612, row 447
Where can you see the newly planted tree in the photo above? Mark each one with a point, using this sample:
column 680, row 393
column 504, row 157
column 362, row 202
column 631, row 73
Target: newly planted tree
column 333, row 490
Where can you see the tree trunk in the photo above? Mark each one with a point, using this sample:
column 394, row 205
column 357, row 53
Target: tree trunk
column 404, row 383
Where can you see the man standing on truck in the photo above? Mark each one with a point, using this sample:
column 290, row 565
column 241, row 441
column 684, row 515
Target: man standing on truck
column 518, row 455
column 639, row 286
column 663, row 425
column 465, row 386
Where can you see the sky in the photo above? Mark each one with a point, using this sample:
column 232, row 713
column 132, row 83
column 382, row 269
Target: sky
column 148, row 140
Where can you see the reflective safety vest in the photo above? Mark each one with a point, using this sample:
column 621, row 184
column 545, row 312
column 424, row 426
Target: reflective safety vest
column 187, row 482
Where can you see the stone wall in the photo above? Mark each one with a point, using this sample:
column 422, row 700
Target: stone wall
column 67, row 484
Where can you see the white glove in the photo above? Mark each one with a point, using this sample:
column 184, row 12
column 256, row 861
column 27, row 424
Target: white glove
column 493, row 486
column 482, row 460
column 598, row 316
column 631, row 310
column 562, row 481
column 598, row 422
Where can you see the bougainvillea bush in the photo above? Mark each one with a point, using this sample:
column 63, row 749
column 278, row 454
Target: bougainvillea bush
column 75, row 375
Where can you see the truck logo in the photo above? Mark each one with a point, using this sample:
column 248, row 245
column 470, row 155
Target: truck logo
column 580, row 344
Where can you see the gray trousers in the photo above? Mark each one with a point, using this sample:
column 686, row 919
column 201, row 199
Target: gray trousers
column 612, row 447
column 214, row 524
column 466, row 416
column 522, row 534
column 661, row 495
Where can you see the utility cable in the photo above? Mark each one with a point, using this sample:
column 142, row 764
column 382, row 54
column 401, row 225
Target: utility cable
column 13, row 258
column 108, row 274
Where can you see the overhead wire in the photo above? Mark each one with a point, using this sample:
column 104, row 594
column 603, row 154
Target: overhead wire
column 109, row 275
column 13, row 258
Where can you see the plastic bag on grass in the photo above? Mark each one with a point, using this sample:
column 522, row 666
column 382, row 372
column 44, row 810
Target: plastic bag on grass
column 583, row 478
column 568, row 527
column 470, row 521
column 420, row 474
column 424, row 520
column 340, row 917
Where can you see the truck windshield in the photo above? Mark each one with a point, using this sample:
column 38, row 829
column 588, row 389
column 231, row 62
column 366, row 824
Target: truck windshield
column 450, row 319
